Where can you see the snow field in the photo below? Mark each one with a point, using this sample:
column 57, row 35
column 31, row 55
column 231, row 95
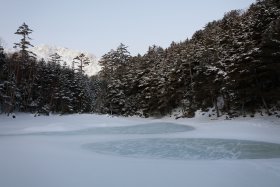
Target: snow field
column 52, row 160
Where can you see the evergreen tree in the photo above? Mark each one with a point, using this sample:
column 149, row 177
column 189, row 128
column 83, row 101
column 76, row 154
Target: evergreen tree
column 2, row 78
column 114, row 65
column 25, row 67
column 24, row 31
column 55, row 59
column 82, row 60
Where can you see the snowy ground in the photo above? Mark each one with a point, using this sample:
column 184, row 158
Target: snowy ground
column 103, row 151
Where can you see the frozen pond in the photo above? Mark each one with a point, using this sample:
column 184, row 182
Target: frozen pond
column 188, row 149
column 168, row 148
column 149, row 128
column 96, row 150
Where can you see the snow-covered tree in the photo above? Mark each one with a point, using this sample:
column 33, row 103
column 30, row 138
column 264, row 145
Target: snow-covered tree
column 24, row 31
column 82, row 60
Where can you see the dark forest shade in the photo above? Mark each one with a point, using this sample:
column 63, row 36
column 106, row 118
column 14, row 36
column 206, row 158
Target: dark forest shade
column 231, row 65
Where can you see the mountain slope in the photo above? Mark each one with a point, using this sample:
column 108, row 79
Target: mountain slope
column 67, row 55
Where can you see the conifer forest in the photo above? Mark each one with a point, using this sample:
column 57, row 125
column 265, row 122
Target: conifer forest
column 231, row 66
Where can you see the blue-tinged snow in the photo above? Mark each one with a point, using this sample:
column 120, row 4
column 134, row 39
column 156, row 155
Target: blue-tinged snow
column 188, row 148
column 148, row 128
column 67, row 151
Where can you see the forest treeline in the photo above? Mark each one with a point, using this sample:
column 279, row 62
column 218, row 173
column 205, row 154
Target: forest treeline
column 31, row 85
column 232, row 65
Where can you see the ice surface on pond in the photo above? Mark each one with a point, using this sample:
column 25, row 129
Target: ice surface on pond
column 149, row 128
column 188, row 149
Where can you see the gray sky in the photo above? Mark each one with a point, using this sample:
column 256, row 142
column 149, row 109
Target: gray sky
column 97, row 26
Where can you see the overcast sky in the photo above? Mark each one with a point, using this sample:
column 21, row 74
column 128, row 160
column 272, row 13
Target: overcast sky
column 97, row 26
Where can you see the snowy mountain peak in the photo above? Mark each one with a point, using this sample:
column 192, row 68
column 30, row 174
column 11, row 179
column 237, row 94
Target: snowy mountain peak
column 67, row 55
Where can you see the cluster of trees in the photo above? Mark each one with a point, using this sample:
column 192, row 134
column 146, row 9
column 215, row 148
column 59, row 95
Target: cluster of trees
column 232, row 65
column 31, row 85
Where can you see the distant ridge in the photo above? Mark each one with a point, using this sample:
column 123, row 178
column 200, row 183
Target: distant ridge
column 67, row 55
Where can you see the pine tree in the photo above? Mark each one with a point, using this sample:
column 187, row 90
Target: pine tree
column 24, row 43
column 2, row 78
column 2, row 57
column 114, row 66
column 55, row 59
column 25, row 67
column 82, row 60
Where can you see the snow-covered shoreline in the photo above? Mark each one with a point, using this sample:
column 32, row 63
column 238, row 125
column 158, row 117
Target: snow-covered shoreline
column 47, row 161
column 26, row 123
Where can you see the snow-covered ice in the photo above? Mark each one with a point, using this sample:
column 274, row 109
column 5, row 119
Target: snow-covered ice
column 148, row 128
column 99, row 150
column 188, row 148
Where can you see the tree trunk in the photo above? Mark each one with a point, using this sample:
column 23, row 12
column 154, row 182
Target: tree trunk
column 242, row 109
column 216, row 106
column 265, row 105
